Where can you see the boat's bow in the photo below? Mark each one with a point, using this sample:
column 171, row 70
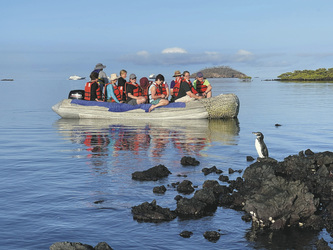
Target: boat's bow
column 222, row 106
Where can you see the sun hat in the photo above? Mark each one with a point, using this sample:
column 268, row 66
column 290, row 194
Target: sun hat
column 100, row 66
column 113, row 77
column 199, row 74
column 177, row 73
column 132, row 76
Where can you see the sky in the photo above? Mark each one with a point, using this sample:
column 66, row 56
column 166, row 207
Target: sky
column 261, row 38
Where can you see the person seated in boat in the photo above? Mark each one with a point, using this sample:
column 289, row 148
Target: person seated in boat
column 185, row 92
column 178, row 79
column 111, row 90
column 156, row 96
column 134, row 93
column 164, row 86
column 145, row 84
column 165, row 90
column 103, row 78
column 92, row 90
column 122, row 83
column 202, row 86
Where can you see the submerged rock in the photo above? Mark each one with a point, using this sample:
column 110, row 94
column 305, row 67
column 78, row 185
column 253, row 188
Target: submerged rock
column 224, row 178
column 102, row 246
column 213, row 169
column 186, row 234
column 189, row 161
column 151, row 212
column 212, row 236
column 159, row 189
column 204, row 202
column 191, row 208
column 249, row 158
column 185, row 187
column 231, row 171
column 152, row 174
column 79, row 246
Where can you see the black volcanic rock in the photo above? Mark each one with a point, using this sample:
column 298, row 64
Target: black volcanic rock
column 151, row 212
column 185, row 187
column 189, row 161
column 152, row 174
column 186, row 234
column 212, row 236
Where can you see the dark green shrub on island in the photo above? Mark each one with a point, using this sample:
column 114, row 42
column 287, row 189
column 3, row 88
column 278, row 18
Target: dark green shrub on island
column 321, row 74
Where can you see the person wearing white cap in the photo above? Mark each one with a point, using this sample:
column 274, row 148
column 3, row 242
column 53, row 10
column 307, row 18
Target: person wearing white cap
column 111, row 90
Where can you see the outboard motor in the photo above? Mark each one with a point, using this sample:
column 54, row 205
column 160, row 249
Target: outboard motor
column 76, row 94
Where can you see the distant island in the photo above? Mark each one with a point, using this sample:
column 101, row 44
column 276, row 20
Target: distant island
column 221, row 72
column 320, row 74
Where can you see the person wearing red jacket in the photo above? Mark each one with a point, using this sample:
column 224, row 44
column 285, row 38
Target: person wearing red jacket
column 185, row 92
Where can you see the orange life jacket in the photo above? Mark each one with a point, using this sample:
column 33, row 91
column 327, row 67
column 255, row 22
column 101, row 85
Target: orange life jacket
column 137, row 91
column 161, row 89
column 116, row 92
column 177, row 86
column 192, row 88
column 87, row 91
column 201, row 88
column 122, row 92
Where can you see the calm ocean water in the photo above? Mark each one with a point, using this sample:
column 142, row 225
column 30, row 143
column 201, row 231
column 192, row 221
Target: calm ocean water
column 70, row 180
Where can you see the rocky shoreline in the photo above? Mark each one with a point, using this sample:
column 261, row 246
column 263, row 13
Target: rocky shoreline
column 295, row 194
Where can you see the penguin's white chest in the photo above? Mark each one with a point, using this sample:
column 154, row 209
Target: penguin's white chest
column 258, row 148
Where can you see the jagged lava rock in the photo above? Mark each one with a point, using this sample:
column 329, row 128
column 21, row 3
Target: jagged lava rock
column 152, row 174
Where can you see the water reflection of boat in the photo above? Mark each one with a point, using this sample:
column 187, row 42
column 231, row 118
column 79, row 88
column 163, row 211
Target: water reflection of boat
column 147, row 136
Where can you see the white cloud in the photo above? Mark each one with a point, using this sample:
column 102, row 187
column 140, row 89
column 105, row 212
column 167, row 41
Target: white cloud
column 174, row 50
column 211, row 53
column 179, row 56
column 142, row 53
column 244, row 55
column 243, row 52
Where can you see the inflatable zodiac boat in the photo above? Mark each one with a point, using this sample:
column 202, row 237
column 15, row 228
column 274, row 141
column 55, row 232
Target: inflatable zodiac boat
column 222, row 106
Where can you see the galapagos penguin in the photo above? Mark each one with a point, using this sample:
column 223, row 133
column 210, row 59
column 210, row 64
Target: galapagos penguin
column 260, row 145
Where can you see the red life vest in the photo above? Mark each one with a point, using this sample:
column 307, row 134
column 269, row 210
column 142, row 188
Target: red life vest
column 87, row 91
column 177, row 86
column 116, row 92
column 192, row 88
column 201, row 88
column 122, row 92
column 161, row 89
column 137, row 91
